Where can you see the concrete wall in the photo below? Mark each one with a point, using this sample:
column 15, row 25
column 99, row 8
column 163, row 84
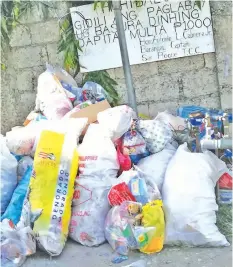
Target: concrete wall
column 201, row 80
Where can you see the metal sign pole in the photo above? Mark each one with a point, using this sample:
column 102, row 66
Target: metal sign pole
column 124, row 55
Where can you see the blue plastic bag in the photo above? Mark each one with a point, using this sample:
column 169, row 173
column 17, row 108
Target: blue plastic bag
column 94, row 92
column 134, row 145
column 18, row 157
column 76, row 91
column 14, row 209
column 185, row 111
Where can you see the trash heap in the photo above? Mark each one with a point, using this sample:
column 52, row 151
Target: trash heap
column 81, row 168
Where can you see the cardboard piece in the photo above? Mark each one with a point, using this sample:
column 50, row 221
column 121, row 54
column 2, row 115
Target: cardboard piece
column 91, row 112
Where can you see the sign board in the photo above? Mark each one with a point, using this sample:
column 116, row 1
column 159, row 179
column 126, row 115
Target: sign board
column 155, row 30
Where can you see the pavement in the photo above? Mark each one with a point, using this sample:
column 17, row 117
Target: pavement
column 75, row 255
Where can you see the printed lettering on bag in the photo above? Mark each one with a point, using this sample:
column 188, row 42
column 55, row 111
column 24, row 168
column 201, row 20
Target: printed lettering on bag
column 47, row 158
column 117, row 199
column 76, row 194
column 33, row 175
column 73, row 223
column 86, row 158
column 84, row 236
column 46, row 164
column 82, row 165
column 82, row 159
column 85, row 196
column 82, row 213
column 60, row 197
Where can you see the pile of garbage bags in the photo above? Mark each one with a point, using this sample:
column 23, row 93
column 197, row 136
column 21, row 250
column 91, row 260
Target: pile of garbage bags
column 106, row 176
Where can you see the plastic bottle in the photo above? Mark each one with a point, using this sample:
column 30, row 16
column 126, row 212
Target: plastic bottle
column 224, row 185
column 228, row 125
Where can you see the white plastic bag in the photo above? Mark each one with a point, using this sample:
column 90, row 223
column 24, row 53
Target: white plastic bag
column 116, row 121
column 189, row 199
column 156, row 164
column 156, row 134
column 178, row 125
column 8, row 174
column 17, row 241
column 22, row 141
column 97, row 155
column 52, row 99
column 90, row 208
column 16, row 244
column 176, row 122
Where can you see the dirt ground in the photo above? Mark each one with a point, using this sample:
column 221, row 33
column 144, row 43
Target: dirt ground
column 75, row 255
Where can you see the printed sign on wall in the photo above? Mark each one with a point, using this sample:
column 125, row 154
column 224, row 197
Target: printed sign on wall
column 155, row 30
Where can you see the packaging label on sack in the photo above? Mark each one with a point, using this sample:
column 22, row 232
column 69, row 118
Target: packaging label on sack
column 120, row 193
column 225, row 196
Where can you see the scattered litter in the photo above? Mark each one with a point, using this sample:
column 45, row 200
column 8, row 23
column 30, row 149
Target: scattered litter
column 104, row 254
column 119, row 258
column 139, row 263
column 82, row 168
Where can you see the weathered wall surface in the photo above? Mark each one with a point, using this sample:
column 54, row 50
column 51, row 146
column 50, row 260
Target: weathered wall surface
column 222, row 24
column 201, row 80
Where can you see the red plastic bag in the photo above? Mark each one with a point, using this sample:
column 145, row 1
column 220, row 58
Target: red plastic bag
column 225, row 181
column 120, row 193
column 124, row 160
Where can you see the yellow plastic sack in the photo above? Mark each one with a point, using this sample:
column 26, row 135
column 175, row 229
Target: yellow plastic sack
column 52, row 186
column 152, row 239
